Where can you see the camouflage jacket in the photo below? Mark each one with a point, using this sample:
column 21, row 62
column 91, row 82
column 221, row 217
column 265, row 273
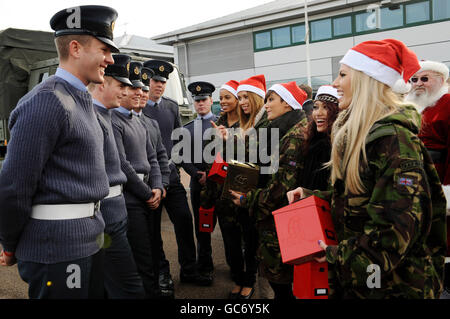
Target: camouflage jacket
column 263, row 201
column 398, row 224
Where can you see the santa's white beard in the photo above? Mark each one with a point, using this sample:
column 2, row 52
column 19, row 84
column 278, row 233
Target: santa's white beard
column 425, row 99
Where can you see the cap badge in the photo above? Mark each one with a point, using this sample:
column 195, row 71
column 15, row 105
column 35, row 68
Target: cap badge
column 161, row 68
column 198, row 88
column 136, row 70
column 113, row 24
column 144, row 76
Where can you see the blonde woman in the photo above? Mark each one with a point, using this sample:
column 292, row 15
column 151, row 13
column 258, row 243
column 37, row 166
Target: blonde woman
column 386, row 200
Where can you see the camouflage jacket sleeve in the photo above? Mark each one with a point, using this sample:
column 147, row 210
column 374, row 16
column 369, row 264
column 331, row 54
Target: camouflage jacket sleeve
column 391, row 210
column 266, row 200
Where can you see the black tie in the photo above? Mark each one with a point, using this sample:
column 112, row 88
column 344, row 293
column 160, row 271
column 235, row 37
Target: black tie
column 130, row 115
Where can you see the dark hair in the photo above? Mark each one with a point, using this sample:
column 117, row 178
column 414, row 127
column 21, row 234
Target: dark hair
column 307, row 89
column 268, row 94
column 311, row 129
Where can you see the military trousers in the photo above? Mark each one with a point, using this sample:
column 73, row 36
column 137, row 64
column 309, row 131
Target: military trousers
column 142, row 237
column 75, row 279
column 122, row 280
column 177, row 208
column 204, row 249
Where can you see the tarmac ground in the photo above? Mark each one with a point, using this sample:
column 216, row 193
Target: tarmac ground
column 12, row 286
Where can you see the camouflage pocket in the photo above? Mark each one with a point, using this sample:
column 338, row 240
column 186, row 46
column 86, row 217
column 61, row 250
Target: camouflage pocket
column 269, row 250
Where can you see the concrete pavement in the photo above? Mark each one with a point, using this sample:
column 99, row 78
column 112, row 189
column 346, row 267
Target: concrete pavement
column 12, row 287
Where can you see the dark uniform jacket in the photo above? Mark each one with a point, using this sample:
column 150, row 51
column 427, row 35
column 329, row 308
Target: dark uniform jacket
column 196, row 130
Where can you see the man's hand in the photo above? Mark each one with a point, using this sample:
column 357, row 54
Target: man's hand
column 154, row 201
column 7, row 259
column 202, row 178
column 164, row 194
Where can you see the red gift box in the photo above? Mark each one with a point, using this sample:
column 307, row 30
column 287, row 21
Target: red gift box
column 218, row 170
column 311, row 280
column 299, row 228
column 206, row 219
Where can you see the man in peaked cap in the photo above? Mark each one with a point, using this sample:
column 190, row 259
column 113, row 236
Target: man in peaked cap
column 96, row 21
column 53, row 177
column 144, row 187
column 163, row 161
column 197, row 167
column 166, row 112
column 122, row 280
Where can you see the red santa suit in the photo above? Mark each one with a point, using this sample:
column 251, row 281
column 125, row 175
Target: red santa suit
column 435, row 134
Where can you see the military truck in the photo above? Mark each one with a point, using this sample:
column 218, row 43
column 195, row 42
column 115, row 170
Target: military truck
column 28, row 57
column 175, row 88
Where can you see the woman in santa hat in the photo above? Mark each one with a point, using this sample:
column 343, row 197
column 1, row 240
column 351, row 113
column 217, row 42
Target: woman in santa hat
column 317, row 146
column 284, row 111
column 251, row 93
column 235, row 224
column 386, row 198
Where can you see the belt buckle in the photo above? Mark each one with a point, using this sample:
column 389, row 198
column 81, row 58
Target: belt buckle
column 96, row 208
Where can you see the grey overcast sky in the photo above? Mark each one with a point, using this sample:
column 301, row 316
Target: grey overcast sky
column 144, row 18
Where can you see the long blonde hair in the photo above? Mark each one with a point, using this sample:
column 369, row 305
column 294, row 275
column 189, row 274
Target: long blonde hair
column 256, row 102
column 372, row 100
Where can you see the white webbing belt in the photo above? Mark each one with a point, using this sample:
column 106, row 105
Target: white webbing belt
column 114, row 191
column 64, row 211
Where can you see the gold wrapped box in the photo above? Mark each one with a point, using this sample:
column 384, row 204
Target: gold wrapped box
column 241, row 177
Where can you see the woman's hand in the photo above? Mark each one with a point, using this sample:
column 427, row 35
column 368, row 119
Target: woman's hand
column 295, row 195
column 236, row 197
column 221, row 130
column 324, row 247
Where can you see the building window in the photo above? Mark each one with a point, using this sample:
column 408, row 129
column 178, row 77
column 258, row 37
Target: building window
column 281, row 37
column 365, row 21
column 342, row 26
column 417, row 12
column 441, row 9
column 263, row 40
column 320, row 30
column 298, row 33
column 391, row 17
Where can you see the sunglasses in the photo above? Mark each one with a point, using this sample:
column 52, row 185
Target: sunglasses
column 422, row 78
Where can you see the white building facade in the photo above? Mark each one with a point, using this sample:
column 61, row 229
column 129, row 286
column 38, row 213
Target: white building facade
column 270, row 39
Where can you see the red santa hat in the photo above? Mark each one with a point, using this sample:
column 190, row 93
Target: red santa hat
column 388, row 61
column 434, row 66
column 290, row 93
column 231, row 86
column 255, row 84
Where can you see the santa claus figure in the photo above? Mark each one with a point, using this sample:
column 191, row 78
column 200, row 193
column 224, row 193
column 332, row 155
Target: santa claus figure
column 430, row 93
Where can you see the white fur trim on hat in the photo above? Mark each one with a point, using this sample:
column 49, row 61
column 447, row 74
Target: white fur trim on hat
column 434, row 66
column 327, row 89
column 372, row 68
column 446, row 189
column 286, row 95
column 229, row 89
column 251, row 88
